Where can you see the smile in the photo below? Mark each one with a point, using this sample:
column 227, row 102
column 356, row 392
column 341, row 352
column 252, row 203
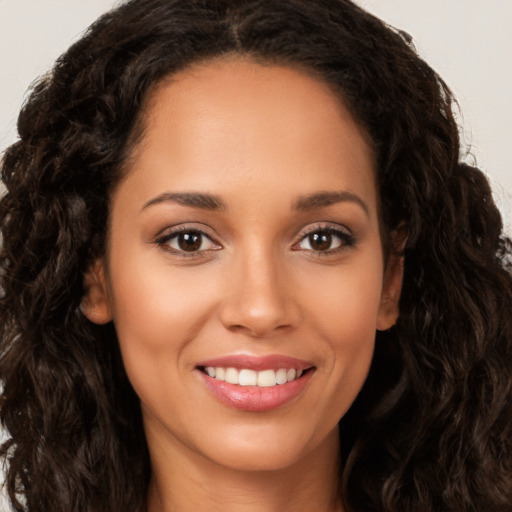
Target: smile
column 247, row 377
column 256, row 383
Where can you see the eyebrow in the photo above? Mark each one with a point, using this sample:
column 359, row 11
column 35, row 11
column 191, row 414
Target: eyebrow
column 322, row 199
column 192, row 199
column 215, row 203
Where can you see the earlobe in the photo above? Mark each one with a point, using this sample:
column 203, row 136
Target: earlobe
column 390, row 298
column 95, row 303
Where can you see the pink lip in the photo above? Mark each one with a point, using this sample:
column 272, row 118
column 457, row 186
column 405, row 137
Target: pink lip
column 253, row 398
column 257, row 363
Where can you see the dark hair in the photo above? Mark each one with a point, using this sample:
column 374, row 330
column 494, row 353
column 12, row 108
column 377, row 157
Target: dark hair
column 432, row 427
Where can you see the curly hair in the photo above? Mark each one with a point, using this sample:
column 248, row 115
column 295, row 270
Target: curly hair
column 431, row 428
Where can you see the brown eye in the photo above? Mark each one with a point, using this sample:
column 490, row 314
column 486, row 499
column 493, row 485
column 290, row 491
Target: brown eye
column 326, row 240
column 320, row 241
column 189, row 241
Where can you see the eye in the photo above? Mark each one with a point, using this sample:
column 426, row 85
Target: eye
column 326, row 240
column 187, row 241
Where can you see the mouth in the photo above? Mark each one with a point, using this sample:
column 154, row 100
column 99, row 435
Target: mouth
column 248, row 377
column 256, row 384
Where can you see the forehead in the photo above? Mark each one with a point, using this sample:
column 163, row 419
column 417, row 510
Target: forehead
column 232, row 120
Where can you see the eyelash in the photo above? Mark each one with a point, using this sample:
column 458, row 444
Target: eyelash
column 345, row 237
column 165, row 239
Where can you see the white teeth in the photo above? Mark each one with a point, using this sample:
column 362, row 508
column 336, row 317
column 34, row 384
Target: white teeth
column 231, row 376
column 281, row 376
column 266, row 378
column 248, row 378
column 291, row 374
column 245, row 377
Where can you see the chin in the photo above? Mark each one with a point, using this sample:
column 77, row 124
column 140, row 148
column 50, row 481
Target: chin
column 265, row 450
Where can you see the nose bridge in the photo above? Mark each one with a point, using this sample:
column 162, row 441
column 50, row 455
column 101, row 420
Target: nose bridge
column 258, row 300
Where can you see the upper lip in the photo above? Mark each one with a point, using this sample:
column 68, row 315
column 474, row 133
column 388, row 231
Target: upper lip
column 257, row 363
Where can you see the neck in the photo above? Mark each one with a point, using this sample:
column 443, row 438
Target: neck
column 191, row 482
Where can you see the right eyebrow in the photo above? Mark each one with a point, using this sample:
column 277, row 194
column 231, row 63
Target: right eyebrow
column 323, row 199
column 191, row 199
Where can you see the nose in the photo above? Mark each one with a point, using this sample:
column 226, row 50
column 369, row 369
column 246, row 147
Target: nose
column 258, row 301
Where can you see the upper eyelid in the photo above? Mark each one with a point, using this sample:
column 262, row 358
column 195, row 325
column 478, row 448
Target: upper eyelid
column 166, row 235
column 346, row 235
column 170, row 231
column 163, row 240
column 183, row 228
column 324, row 226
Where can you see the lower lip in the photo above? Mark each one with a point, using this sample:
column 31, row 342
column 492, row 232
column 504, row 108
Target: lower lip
column 253, row 398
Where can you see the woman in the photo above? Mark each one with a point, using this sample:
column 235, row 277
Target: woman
column 243, row 269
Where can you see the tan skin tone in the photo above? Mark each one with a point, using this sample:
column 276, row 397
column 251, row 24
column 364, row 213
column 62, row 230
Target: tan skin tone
column 288, row 261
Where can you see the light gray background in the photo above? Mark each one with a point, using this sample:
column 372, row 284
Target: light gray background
column 469, row 42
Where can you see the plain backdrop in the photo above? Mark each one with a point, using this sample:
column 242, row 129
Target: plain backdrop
column 469, row 42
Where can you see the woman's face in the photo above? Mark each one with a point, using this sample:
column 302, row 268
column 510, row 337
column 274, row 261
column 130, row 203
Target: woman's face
column 245, row 272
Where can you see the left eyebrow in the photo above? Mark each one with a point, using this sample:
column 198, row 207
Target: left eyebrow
column 322, row 199
column 191, row 199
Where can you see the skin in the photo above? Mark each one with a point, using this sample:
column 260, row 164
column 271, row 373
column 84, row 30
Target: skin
column 259, row 138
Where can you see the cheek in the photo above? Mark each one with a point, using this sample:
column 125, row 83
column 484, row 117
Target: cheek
column 158, row 312
column 346, row 300
column 344, row 315
column 158, row 309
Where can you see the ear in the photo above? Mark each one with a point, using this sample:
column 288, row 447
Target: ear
column 392, row 285
column 95, row 303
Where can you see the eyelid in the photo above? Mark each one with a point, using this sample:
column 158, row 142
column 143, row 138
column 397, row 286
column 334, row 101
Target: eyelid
column 167, row 234
column 346, row 236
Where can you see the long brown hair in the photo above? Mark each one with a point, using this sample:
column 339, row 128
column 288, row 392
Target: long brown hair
column 432, row 427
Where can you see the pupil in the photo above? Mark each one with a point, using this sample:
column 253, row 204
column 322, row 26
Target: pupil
column 320, row 241
column 190, row 241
